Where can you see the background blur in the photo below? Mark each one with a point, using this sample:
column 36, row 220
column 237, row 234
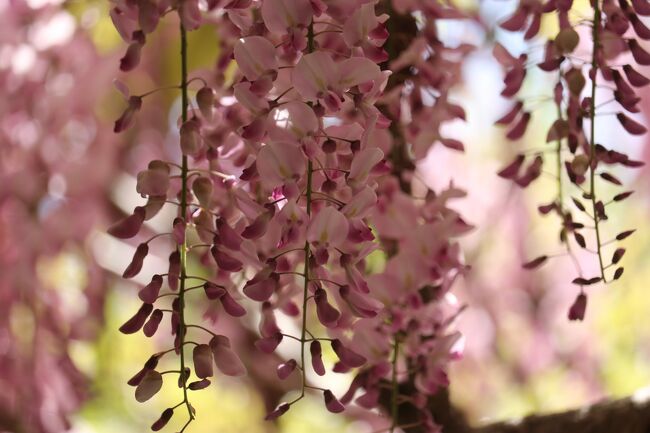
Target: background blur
column 57, row 61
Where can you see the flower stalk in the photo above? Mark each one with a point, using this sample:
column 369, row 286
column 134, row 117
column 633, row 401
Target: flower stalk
column 592, row 144
column 183, row 213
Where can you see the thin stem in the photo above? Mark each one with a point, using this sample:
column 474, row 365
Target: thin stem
column 327, row 31
column 286, row 252
column 183, row 213
column 305, row 290
column 164, row 295
column 277, row 98
column 202, row 328
column 156, row 236
column 592, row 114
column 213, row 173
column 558, row 162
column 394, row 407
column 159, row 89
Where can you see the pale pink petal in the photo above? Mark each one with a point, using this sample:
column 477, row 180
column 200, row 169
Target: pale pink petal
column 255, row 56
column 359, row 25
column 190, row 14
column 357, row 70
column 148, row 16
column 292, row 121
column 124, row 23
column 253, row 102
column 313, row 75
column 328, row 228
column 360, row 204
column 363, row 163
column 281, row 15
column 280, row 162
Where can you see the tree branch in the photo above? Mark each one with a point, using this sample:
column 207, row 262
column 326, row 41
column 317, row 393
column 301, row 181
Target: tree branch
column 627, row 415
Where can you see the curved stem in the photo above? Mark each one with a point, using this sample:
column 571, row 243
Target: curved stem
column 592, row 144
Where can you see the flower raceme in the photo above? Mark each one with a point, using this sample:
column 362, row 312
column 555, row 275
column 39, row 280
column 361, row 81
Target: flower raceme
column 281, row 187
column 615, row 27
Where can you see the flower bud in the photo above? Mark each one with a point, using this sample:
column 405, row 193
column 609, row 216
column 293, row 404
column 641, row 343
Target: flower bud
column 161, row 422
column 327, row 314
column 331, row 403
column 285, row 369
column 129, row 226
column 135, row 266
column 579, row 307
column 317, row 357
column 202, row 356
column 150, row 292
column 347, row 356
column 136, row 322
column 149, row 386
column 152, row 324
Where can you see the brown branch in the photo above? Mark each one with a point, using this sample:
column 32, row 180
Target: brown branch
column 626, row 415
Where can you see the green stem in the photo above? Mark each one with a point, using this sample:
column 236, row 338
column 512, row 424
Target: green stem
column 558, row 153
column 394, row 407
column 305, row 291
column 183, row 211
column 560, row 195
column 592, row 114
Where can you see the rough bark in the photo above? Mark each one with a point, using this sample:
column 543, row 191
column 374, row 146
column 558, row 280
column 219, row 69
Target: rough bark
column 626, row 415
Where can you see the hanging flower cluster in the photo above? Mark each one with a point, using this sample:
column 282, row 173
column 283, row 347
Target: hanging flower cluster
column 579, row 157
column 284, row 180
column 412, row 340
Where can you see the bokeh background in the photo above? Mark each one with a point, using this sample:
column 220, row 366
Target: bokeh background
column 62, row 299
